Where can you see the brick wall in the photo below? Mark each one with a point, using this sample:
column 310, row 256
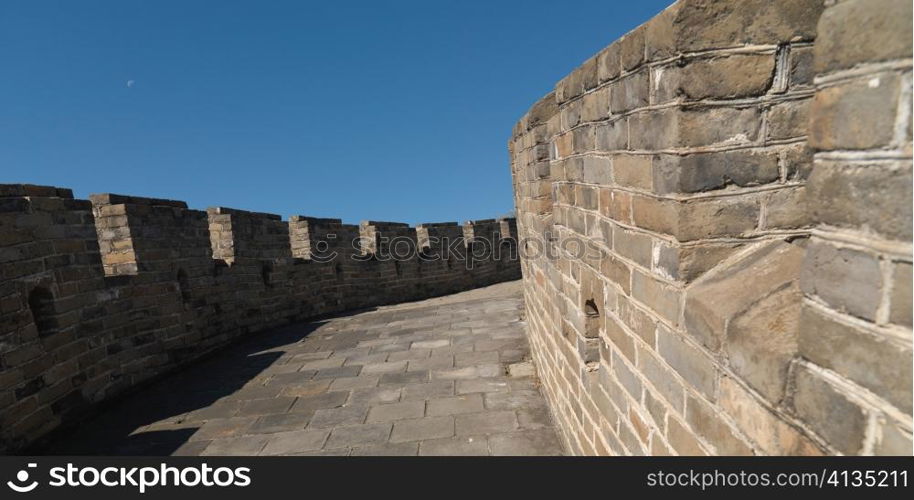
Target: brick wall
column 714, row 215
column 98, row 297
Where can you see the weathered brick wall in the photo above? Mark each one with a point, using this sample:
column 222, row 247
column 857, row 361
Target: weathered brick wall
column 715, row 220
column 98, row 297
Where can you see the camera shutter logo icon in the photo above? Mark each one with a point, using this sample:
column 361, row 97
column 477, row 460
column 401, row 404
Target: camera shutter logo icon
column 22, row 477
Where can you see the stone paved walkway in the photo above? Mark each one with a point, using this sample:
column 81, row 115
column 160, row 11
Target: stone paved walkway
column 444, row 376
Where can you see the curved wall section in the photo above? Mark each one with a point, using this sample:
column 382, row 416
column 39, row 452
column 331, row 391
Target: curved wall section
column 726, row 266
column 99, row 296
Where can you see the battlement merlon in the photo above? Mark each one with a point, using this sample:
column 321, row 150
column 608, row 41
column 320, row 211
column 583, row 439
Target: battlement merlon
column 238, row 234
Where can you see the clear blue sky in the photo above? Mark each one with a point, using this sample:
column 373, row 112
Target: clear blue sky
column 397, row 110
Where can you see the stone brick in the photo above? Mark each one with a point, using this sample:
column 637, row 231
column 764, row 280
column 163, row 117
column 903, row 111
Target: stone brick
column 762, row 341
column 633, row 171
column 683, row 440
column 707, row 171
column 687, row 263
column 467, row 403
column 658, row 296
column 652, row 130
column 860, row 31
column 900, row 312
column 611, row 136
column 697, row 368
column 769, row 432
column 684, row 27
column 875, row 361
column 284, row 443
column 631, row 49
column 893, row 441
column 789, row 119
column 396, row 411
column 734, row 126
column 827, row 410
column 786, row 209
column 708, row 423
column 608, row 63
column 720, row 296
column 454, row 447
column 632, row 245
column 358, row 435
column 421, row 429
column 863, row 197
column 848, row 280
column 490, row 422
column 530, row 442
column 801, row 67
column 630, row 92
column 619, row 338
column 616, row 205
column 662, row 378
column 595, row 105
column 626, row 377
column 740, row 75
column 871, row 101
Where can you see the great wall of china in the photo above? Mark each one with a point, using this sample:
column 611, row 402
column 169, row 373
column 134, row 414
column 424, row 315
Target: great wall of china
column 713, row 229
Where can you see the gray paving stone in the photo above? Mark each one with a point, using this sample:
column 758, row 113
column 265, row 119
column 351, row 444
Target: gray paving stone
column 285, row 443
column 387, row 450
column 367, row 359
column 334, row 417
column 358, row 435
column 256, row 392
column 422, row 429
column 349, row 383
column 305, row 389
column 469, row 372
column 475, row 358
column 514, row 400
column 453, row 447
column 468, row 403
column 266, row 406
column 404, row 378
column 223, row 409
column 375, row 395
column 396, row 411
column 191, row 449
column 431, row 363
column 279, row 423
column 320, row 402
column 433, row 389
column 323, row 364
column 391, row 367
column 222, row 428
column 540, row 442
column 430, row 344
column 482, row 385
column 239, row 446
column 279, row 380
column 339, row 372
column 409, row 355
column 489, row 422
column 534, row 418
column 312, row 356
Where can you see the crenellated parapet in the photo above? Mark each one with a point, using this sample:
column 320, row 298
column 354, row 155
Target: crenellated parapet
column 98, row 296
